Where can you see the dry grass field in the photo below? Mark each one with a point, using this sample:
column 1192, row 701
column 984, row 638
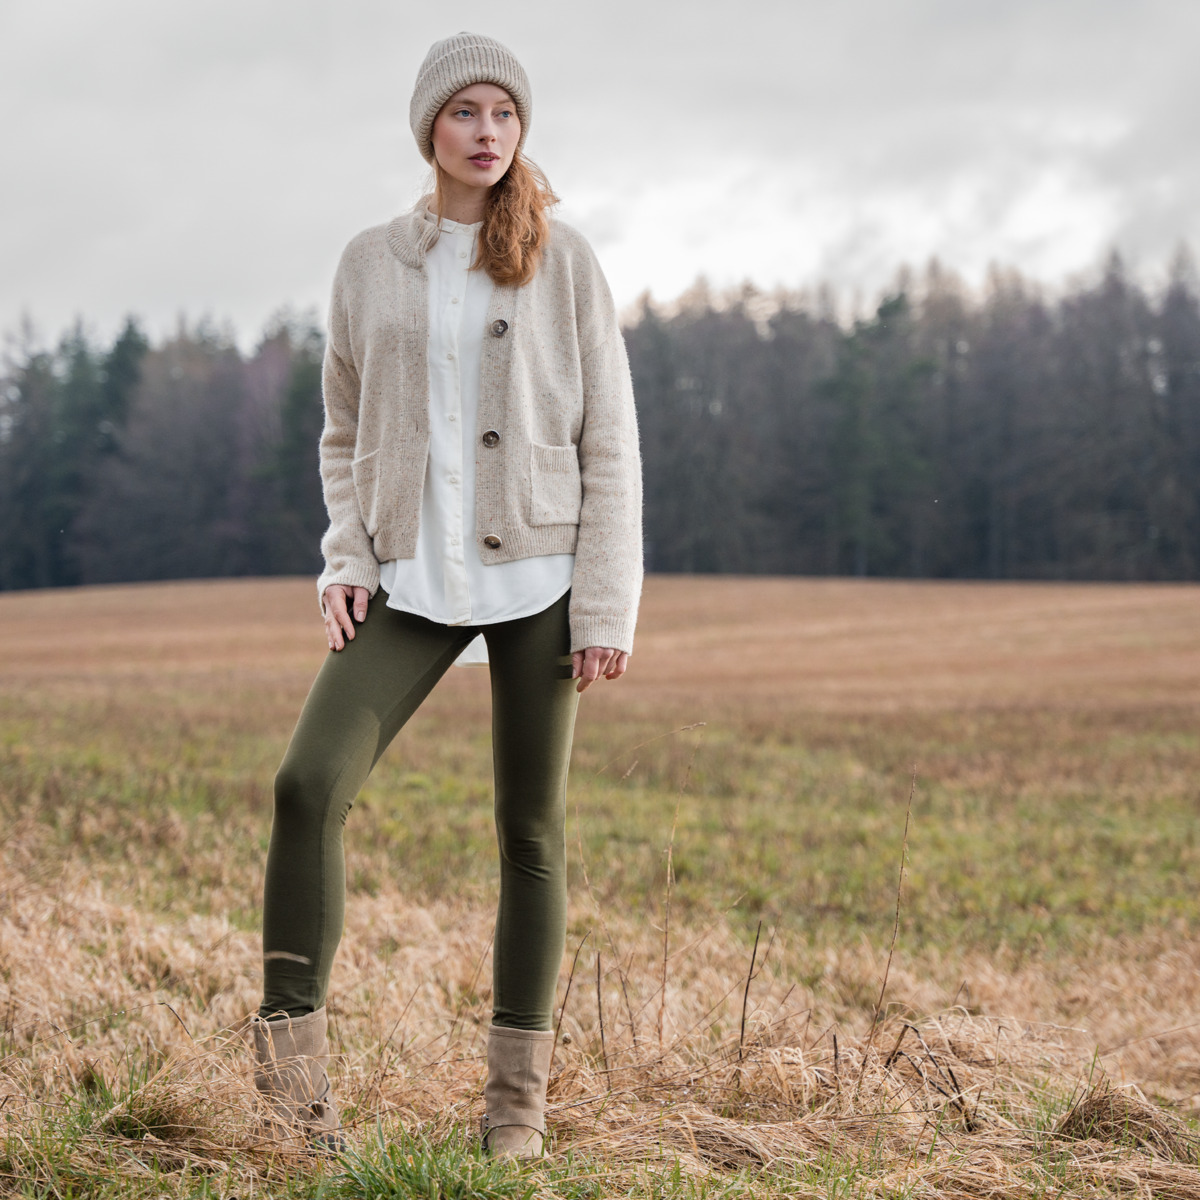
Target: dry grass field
column 1029, row 1027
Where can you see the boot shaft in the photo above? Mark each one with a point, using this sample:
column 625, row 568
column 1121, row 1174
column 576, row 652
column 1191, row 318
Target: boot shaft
column 518, row 1071
column 291, row 1055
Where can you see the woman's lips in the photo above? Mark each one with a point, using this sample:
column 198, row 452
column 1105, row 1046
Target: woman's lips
column 485, row 160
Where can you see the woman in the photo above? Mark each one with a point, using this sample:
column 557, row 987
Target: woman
column 481, row 471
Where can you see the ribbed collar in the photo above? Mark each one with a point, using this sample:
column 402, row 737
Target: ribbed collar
column 410, row 235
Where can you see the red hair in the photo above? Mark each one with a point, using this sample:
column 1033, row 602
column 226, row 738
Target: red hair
column 515, row 227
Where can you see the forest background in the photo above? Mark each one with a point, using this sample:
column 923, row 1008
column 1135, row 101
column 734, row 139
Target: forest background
column 1007, row 433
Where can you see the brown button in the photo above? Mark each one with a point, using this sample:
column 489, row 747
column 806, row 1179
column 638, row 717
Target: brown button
column 492, row 542
column 499, row 328
column 491, row 438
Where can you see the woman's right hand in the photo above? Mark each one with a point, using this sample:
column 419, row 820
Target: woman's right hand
column 339, row 600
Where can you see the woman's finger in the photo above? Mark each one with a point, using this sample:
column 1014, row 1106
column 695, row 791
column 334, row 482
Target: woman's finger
column 361, row 596
column 588, row 671
column 336, row 617
column 617, row 666
column 595, row 661
column 333, row 635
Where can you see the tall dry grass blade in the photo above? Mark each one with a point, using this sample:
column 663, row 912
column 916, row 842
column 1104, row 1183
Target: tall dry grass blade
column 891, row 1058
column 662, row 994
column 599, row 910
column 470, row 988
column 887, row 966
column 746, row 993
column 600, row 1014
column 662, row 1000
column 562, row 1012
column 658, row 737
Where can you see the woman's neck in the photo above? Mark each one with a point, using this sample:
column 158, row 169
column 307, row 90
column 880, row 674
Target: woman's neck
column 461, row 203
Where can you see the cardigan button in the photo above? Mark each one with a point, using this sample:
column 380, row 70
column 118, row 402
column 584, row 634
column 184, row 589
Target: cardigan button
column 492, row 542
column 499, row 328
column 491, row 438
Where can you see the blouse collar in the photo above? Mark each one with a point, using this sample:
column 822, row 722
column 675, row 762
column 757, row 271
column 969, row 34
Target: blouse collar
column 412, row 233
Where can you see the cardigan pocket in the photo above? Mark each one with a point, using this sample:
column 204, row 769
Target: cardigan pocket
column 366, row 486
column 555, row 492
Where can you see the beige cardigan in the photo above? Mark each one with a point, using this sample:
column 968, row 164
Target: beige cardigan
column 556, row 448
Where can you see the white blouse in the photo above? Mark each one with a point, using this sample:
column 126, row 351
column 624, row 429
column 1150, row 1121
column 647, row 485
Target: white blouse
column 446, row 581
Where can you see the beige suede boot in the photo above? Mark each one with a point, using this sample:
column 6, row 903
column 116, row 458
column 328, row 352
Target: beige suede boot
column 291, row 1054
column 514, row 1122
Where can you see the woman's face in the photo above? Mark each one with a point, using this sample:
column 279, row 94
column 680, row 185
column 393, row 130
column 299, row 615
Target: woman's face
column 475, row 135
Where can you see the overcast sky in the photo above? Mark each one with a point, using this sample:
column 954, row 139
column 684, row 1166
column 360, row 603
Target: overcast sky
column 167, row 156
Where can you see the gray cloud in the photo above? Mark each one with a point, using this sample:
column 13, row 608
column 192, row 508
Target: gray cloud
column 215, row 157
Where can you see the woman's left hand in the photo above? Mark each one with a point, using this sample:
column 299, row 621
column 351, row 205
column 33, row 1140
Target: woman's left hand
column 588, row 665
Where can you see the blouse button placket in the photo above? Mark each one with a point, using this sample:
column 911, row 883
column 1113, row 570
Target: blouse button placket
column 457, row 590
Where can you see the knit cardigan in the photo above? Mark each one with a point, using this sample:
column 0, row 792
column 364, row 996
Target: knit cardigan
column 557, row 465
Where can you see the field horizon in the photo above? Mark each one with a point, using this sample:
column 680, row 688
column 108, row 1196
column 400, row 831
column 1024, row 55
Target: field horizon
column 750, row 1004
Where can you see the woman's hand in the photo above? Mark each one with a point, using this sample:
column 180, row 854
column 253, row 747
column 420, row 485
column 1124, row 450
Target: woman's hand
column 588, row 665
column 338, row 600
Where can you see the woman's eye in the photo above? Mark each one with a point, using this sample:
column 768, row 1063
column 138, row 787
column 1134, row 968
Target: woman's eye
column 464, row 112
column 506, row 112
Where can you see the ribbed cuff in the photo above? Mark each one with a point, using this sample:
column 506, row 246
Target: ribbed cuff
column 364, row 575
column 614, row 632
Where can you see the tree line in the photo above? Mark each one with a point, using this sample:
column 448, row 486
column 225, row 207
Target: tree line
column 188, row 459
column 1002, row 434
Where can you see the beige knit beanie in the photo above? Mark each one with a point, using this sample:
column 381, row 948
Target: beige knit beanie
column 455, row 63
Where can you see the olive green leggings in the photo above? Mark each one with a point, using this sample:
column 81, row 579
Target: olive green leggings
column 360, row 700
